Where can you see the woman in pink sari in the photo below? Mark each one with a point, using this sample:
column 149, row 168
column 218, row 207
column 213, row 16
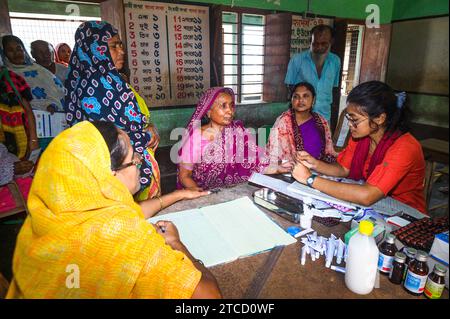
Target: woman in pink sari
column 301, row 129
column 222, row 152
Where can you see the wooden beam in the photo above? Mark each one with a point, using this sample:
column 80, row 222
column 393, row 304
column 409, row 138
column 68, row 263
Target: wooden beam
column 5, row 23
column 375, row 53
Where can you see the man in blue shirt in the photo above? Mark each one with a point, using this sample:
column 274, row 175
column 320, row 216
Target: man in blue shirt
column 319, row 67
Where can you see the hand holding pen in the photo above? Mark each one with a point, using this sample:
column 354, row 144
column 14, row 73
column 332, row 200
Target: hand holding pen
column 170, row 233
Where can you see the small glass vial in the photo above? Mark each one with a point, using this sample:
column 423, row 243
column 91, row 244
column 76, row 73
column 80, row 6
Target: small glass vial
column 410, row 256
column 417, row 274
column 435, row 282
column 398, row 268
column 387, row 253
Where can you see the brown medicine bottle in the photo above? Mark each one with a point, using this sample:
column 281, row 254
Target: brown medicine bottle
column 410, row 256
column 435, row 282
column 387, row 253
column 398, row 268
column 417, row 274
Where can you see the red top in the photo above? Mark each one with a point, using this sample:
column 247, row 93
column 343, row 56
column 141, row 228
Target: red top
column 400, row 175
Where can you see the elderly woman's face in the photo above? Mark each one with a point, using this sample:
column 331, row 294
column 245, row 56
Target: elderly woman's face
column 222, row 111
column 14, row 52
column 130, row 174
column 117, row 53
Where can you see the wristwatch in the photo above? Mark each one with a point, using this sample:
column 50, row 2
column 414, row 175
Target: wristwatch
column 310, row 180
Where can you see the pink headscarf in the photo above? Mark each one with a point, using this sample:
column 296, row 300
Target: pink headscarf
column 232, row 157
column 57, row 57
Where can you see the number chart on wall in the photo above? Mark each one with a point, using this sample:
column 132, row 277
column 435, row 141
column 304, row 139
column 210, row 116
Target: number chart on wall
column 301, row 28
column 168, row 51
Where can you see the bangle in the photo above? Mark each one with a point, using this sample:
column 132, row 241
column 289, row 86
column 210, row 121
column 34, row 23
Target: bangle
column 33, row 140
column 160, row 202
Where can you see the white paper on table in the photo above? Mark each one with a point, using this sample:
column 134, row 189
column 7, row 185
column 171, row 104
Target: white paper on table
column 224, row 232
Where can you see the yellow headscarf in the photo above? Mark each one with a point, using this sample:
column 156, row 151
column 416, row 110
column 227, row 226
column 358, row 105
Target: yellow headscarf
column 83, row 221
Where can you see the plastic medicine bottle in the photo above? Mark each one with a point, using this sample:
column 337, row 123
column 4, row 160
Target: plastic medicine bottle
column 387, row 253
column 362, row 260
column 417, row 274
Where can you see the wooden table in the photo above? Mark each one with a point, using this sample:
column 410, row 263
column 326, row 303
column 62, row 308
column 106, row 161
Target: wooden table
column 435, row 150
column 288, row 279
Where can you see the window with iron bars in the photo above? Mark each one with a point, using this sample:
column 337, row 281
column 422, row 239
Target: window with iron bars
column 51, row 28
column 243, row 55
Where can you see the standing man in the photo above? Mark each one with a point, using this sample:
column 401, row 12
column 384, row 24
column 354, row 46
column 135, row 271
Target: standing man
column 319, row 67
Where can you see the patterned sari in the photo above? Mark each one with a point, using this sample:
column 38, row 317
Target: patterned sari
column 86, row 237
column 96, row 91
column 285, row 138
column 229, row 159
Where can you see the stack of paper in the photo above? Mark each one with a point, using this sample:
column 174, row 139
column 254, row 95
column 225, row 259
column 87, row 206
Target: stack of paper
column 49, row 125
column 225, row 232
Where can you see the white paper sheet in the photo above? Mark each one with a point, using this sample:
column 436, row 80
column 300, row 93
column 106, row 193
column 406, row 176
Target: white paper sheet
column 224, row 232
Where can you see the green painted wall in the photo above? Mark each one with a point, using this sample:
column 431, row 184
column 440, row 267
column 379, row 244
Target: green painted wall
column 52, row 7
column 409, row 9
column 429, row 109
column 355, row 9
column 342, row 8
column 166, row 120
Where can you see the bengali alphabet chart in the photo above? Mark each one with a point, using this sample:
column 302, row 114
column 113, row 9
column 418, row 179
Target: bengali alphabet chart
column 301, row 27
column 168, row 51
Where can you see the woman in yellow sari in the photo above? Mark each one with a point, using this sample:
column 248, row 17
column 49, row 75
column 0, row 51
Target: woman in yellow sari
column 85, row 236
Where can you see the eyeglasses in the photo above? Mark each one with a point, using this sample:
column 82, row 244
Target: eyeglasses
column 137, row 160
column 353, row 122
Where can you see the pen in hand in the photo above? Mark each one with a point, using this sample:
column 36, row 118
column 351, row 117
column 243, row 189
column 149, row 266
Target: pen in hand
column 161, row 226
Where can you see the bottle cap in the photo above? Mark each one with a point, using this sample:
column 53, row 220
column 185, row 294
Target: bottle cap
column 366, row 227
column 410, row 252
column 400, row 257
column 421, row 255
column 390, row 238
column 440, row 270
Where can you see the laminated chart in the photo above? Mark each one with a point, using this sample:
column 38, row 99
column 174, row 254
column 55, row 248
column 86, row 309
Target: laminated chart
column 168, row 51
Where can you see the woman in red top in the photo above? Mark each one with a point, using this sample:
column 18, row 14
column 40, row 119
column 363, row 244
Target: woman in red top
column 381, row 152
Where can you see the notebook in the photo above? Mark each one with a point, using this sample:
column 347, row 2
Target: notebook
column 224, row 232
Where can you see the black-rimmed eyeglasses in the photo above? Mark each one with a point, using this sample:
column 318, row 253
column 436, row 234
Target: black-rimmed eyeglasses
column 353, row 122
column 137, row 160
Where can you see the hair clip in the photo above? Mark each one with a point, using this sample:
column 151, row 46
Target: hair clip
column 401, row 97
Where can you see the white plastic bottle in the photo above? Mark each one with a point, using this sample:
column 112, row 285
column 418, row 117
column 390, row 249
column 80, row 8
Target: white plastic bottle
column 362, row 260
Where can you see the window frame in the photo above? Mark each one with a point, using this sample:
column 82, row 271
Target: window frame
column 239, row 24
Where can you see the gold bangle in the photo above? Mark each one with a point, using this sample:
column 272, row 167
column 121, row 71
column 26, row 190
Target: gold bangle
column 160, row 202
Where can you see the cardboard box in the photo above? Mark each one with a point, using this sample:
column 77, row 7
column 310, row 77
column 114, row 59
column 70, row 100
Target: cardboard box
column 439, row 253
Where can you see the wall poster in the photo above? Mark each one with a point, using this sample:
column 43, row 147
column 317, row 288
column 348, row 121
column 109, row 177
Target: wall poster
column 168, row 51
